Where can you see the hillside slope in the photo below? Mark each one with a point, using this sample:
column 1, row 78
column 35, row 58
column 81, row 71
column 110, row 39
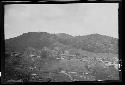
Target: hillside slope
column 94, row 42
column 42, row 57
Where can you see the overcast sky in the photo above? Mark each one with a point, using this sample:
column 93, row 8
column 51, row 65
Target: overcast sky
column 74, row 19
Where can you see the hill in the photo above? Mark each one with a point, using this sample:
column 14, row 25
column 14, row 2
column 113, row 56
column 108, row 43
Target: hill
column 40, row 56
column 31, row 39
column 94, row 42
column 97, row 43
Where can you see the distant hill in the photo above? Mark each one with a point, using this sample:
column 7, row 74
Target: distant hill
column 31, row 39
column 97, row 43
column 94, row 42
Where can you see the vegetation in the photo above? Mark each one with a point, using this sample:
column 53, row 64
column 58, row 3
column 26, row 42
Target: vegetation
column 42, row 57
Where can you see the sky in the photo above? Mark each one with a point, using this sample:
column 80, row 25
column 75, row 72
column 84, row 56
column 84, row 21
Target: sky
column 74, row 19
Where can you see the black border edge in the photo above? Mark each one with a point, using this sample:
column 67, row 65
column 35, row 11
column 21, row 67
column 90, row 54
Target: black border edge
column 2, row 44
column 2, row 30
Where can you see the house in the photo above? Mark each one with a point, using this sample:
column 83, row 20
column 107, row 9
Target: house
column 107, row 63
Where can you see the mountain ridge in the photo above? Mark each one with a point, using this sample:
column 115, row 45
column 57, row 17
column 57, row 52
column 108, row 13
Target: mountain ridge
column 92, row 42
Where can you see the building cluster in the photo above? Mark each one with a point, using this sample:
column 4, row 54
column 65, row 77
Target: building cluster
column 110, row 63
